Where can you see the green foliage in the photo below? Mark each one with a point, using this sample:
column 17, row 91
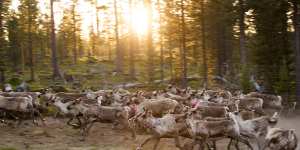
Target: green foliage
column 283, row 85
column 271, row 44
column 245, row 79
column 14, row 42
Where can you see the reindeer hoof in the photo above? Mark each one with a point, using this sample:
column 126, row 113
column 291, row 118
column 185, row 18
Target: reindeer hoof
column 82, row 139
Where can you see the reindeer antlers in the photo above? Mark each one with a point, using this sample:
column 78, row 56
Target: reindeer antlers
column 237, row 105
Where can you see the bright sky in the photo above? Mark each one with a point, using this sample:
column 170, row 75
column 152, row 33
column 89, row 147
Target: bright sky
column 87, row 11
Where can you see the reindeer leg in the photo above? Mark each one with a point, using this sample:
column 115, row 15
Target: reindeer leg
column 156, row 143
column 145, row 142
column 214, row 145
column 78, row 119
column 230, row 143
column 41, row 117
column 74, row 125
column 69, row 121
column 237, row 144
column 89, row 127
column 177, row 142
column 132, row 127
column 190, row 146
column 83, row 128
column 33, row 117
column 20, row 121
column 202, row 144
column 246, row 142
column 208, row 145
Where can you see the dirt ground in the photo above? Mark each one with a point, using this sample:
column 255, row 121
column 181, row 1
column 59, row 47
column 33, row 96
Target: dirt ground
column 56, row 135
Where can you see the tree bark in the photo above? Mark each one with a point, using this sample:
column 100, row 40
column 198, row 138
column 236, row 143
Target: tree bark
column 183, row 57
column 98, row 28
column 243, row 51
column 162, row 75
column 1, row 24
column 296, row 7
column 55, row 66
column 131, row 44
column 30, row 47
column 149, row 41
column 118, row 61
column 97, row 18
column 74, row 33
column 171, row 60
column 2, row 40
column 204, row 57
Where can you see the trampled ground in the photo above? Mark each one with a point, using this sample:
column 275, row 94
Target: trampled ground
column 58, row 136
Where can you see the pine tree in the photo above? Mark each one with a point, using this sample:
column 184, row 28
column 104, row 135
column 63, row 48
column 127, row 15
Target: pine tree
column 242, row 34
column 3, row 46
column 119, row 59
column 271, row 44
column 14, row 42
column 183, row 43
column 150, row 49
column 296, row 23
column 55, row 67
column 28, row 19
column 132, row 40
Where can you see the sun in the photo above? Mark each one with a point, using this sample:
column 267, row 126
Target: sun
column 139, row 20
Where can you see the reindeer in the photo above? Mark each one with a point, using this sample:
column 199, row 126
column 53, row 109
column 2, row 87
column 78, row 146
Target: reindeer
column 19, row 106
column 254, row 129
column 269, row 101
column 212, row 129
column 164, row 127
column 281, row 139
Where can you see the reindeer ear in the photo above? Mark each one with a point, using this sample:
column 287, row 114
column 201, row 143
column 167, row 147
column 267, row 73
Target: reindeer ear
column 291, row 134
column 149, row 113
column 275, row 115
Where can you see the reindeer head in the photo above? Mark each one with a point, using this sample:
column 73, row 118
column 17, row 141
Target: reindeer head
column 91, row 95
column 274, row 119
column 50, row 97
column 278, row 139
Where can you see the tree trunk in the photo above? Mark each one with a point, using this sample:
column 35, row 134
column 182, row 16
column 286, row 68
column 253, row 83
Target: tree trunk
column 1, row 41
column 171, row 60
column 183, row 57
column 55, row 66
column 109, row 51
column 204, row 57
column 2, row 78
column 296, row 8
column 30, row 47
column 98, row 28
column 131, row 44
column 118, row 61
column 1, row 26
column 22, row 58
column 162, row 76
column 74, row 33
column 97, row 18
column 243, row 51
column 150, row 52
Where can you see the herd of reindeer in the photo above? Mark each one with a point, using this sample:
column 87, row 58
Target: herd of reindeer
column 205, row 117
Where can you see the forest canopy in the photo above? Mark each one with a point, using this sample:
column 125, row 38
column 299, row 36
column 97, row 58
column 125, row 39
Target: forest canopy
column 95, row 44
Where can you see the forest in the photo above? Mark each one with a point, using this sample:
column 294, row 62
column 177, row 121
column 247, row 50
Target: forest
column 149, row 74
column 101, row 44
